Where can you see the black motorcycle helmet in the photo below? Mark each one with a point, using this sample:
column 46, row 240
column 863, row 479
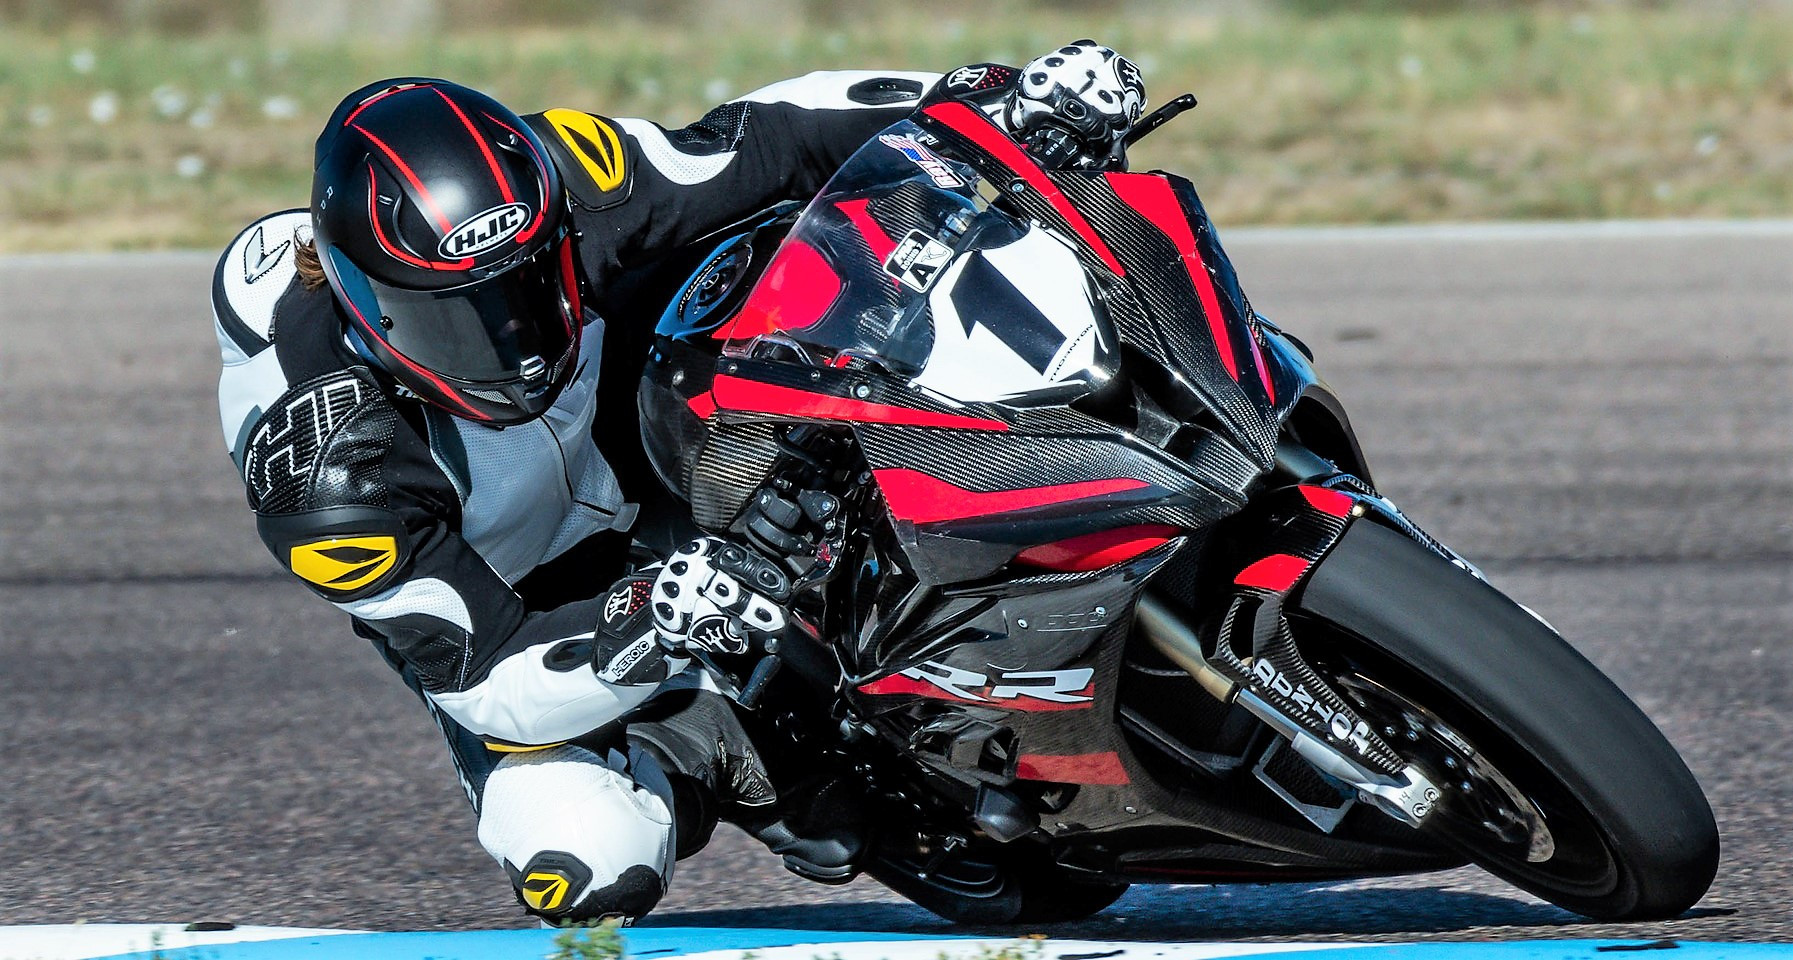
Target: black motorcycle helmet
column 442, row 226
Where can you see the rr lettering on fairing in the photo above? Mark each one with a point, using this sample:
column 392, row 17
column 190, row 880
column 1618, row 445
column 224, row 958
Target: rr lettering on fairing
column 1337, row 723
column 929, row 162
column 1019, row 689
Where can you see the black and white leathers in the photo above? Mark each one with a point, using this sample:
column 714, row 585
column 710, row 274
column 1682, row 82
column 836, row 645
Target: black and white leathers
column 432, row 521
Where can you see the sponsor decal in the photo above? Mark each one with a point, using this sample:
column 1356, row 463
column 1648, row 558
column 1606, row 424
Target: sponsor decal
column 1020, row 689
column 626, row 601
column 545, row 891
column 617, row 670
column 966, row 78
column 258, row 259
column 1338, row 723
column 918, row 260
column 593, row 143
column 344, row 563
column 287, row 440
column 712, row 633
column 929, row 161
column 484, row 230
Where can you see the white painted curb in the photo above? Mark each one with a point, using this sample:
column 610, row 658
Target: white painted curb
column 80, row 941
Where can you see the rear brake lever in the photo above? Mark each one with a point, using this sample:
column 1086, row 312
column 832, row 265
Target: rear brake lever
column 1159, row 117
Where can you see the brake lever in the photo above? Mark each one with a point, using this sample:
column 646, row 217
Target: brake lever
column 1158, row 118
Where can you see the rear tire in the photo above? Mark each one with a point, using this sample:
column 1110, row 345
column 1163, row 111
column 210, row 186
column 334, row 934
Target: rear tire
column 1634, row 838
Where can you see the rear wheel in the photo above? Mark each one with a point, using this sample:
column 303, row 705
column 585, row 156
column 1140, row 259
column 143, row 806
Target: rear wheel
column 1551, row 777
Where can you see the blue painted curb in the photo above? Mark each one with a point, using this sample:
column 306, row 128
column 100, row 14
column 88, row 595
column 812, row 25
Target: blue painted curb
column 644, row 942
column 668, row 942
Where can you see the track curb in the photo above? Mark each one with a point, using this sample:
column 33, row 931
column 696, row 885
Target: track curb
column 174, row 942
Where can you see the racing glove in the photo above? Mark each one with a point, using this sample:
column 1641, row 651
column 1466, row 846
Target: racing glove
column 716, row 597
column 1073, row 107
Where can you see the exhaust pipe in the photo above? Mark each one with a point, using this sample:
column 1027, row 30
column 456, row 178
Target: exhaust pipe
column 1173, row 638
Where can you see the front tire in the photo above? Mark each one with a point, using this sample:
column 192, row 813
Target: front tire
column 1449, row 663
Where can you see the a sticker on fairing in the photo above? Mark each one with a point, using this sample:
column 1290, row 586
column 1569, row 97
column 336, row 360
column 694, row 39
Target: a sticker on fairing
column 929, row 161
column 1013, row 324
column 918, row 260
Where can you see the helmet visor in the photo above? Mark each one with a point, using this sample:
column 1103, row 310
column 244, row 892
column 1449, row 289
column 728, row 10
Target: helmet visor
column 514, row 326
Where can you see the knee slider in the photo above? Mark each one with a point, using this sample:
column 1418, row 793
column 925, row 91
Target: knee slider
column 580, row 838
column 558, row 886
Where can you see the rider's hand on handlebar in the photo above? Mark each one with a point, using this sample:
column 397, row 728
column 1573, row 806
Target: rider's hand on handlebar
column 714, row 596
column 1073, row 107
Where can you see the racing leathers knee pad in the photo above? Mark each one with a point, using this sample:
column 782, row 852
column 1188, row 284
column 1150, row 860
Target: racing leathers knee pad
column 584, row 837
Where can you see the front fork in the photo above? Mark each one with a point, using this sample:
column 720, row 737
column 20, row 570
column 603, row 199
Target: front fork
column 1249, row 656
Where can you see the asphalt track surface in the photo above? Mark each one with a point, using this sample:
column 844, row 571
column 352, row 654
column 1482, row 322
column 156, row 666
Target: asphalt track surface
column 1601, row 417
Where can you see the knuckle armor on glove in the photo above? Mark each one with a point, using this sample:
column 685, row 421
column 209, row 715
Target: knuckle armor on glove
column 1075, row 105
column 627, row 649
column 713, row 595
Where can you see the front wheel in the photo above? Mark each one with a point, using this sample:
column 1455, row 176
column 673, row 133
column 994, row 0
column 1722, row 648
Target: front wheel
column 1551, row 778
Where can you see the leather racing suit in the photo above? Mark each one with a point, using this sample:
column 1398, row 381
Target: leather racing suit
column 476, row 558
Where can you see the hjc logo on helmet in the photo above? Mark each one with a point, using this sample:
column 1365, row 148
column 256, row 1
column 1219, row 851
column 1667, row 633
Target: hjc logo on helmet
column 484, row 230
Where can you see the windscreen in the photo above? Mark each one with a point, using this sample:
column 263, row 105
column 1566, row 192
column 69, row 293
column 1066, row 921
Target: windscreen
column 900, row 263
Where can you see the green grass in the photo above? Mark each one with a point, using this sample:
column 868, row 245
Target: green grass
column 1369, row 117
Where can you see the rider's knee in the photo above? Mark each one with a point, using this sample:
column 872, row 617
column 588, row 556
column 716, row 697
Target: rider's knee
column 581, row 837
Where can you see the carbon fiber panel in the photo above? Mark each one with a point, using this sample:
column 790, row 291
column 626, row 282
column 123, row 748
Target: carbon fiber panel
column 736, row 461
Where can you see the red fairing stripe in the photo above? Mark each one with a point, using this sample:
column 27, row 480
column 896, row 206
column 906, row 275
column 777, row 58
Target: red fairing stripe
column 920, row 498
column 799, row 286
column 1093, row 551
column 979, row 130
column 875, row 237
column 1094, row 768
column 1330, row 502
column 1276, row 573
column 703, row 405
column 751, row 396
column 1153, row 198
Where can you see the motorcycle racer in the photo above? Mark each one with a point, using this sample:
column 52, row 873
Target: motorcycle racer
column 410, row 392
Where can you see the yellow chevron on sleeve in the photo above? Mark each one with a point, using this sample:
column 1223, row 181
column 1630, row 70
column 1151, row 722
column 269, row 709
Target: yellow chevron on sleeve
column 593, row 143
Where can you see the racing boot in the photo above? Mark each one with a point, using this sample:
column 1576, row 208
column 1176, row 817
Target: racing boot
column 717, row 774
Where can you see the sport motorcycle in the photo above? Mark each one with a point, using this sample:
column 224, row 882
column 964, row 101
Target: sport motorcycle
column 1097, row 588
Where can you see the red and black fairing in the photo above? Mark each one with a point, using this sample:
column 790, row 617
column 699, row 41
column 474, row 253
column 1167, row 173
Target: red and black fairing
column 983, row 619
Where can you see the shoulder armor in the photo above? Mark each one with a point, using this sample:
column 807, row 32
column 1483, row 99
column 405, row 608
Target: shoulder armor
column 253, row 274
column 314, row 468
column 588, row 151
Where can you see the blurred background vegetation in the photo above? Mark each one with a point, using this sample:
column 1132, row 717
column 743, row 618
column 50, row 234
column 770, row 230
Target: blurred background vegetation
column 169, row 123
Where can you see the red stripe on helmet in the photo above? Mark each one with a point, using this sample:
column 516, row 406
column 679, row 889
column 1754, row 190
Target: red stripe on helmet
column 542, row 174
column 504, row 187
column 376, row 98
column 423, row 192
column 978, row 129
column 447, row 391
column 373, row 216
